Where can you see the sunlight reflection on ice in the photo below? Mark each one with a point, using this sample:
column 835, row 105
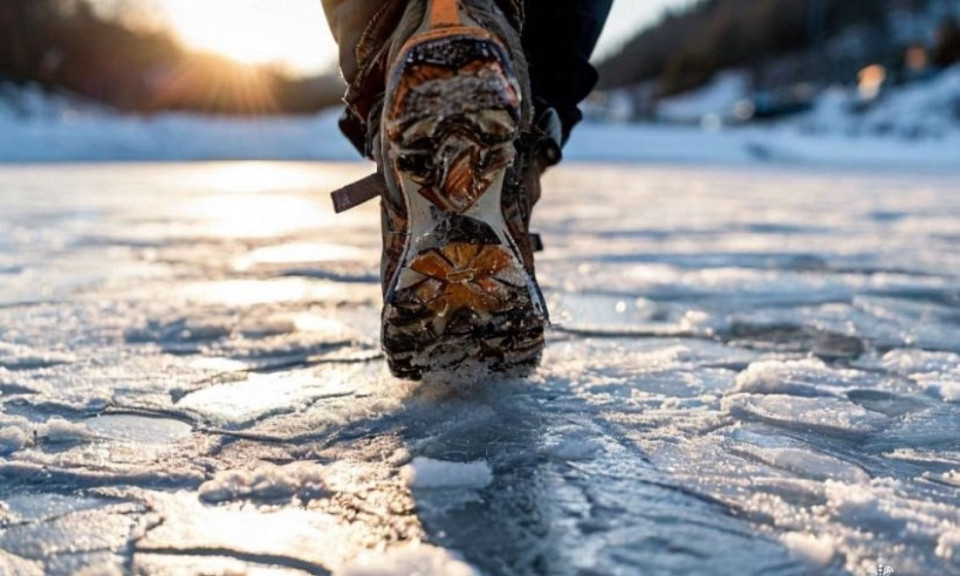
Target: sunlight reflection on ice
column 316, row 323
column 256, row 216
column 217, row 364
column 287, row 532
column 252, row 177
column 303, row 252
column 249, row 292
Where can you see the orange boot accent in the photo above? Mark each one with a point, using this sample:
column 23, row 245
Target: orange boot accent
column 444, row 13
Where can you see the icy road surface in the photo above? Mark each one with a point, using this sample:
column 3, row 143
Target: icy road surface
column 753, row 371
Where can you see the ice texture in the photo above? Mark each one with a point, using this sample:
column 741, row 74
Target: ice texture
column 751, row 371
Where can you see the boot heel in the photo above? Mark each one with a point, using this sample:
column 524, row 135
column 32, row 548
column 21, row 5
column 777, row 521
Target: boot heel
column 459, row 293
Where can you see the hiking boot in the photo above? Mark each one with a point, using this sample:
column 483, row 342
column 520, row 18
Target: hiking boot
column 458, row 174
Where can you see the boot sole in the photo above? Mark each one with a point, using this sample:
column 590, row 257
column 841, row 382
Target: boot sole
column 460, row 296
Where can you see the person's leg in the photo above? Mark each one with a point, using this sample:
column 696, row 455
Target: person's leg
column 441, row 92
column 559, row 37
column 359, row 26
column 347, row 20
column 362, row 29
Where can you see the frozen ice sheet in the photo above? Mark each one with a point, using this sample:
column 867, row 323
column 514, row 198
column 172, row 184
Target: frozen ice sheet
column 753, row 371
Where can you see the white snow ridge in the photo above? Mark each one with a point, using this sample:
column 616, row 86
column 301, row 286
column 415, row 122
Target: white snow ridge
column 413, row 560
column 429, row 473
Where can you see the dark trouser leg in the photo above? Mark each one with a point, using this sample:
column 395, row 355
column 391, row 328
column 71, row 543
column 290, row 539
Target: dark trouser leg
column 558, row 37
column 348, row 19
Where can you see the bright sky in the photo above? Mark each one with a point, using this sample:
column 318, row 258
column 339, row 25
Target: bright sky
column 630, row 16
column 294, row 33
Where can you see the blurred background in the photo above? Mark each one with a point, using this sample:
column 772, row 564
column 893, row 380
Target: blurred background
column 204, row 79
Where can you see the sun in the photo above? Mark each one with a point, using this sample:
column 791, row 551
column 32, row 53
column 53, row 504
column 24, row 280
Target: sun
column 290, row 33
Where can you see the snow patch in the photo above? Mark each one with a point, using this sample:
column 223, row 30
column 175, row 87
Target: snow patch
column 805, row 377
column 948, row 546
column 10, row 564
column 25, row 358
column 573, row 448
column 952, row 477
column 938, row 373
column 919, row 361
column 99, row 571
column 60, row 431
column 817, row 550
column 12, row 439
column 304, row 480
column 947, row 390
column 416, row 559
column 573, row 442
column 429, row 473
column 857, row 503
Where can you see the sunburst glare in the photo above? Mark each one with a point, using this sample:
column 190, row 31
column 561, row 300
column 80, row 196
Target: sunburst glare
column 294, row 36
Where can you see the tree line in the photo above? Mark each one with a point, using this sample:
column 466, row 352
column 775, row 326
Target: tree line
column 688, row 47
column 66, row 44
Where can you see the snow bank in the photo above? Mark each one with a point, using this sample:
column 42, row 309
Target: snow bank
column 920, row 110
column 48, row 127
column 775, row 144
column 654, row 143
column 31, row 102
column 911, row 127
column 429, row 473
column 172, row 137
column 716, row 99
